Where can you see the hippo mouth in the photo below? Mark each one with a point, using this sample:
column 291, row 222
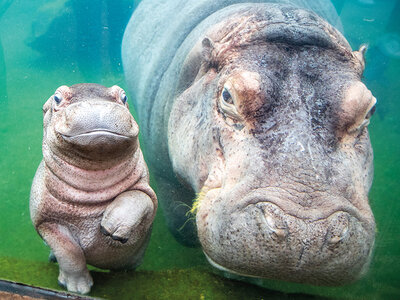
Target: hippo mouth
column 93, row 134
column 263, row 236
column 225, row 269
column 100, row 137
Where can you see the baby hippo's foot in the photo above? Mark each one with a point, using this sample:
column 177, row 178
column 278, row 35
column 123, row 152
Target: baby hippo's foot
column 52, row 257
column 76, row 282
column 125, row 214
column 74, row 275
column 115, row 232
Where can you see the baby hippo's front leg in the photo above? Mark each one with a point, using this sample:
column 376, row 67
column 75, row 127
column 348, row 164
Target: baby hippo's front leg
column 124, row 215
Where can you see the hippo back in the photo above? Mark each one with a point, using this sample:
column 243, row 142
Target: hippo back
column 152, row 55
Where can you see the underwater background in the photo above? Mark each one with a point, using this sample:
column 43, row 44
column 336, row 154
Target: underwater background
column 45, row 44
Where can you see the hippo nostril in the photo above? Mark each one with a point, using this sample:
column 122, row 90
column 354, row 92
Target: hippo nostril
column 338, row 229
column 273, row 222
column 337, row 238
column 272, row 226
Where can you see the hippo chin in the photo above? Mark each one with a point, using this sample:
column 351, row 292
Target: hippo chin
column 90, row 200
column 259, row 108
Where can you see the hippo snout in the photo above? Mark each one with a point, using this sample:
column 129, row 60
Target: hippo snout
column 91, row 118
column 96, row 128
column 264, row 237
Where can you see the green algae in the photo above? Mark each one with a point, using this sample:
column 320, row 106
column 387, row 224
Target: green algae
column 193, row 283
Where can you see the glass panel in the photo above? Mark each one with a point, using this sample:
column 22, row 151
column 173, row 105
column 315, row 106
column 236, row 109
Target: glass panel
column 46, row 44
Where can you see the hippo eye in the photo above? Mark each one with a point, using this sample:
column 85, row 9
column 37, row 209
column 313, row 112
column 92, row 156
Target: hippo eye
column 371, row 112
column 227, row 96
column 57, row 97
column 228, row 107
column 367, row 118
column 123, row 97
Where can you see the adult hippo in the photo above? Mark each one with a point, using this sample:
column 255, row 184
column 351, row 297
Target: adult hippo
column 260, row 110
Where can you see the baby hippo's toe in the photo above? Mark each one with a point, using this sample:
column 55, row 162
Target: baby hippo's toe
column 120, row 234
column 125, row 215
column 76, row 282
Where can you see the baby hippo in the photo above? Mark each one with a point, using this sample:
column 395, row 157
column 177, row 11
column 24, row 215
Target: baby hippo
column 90, row 199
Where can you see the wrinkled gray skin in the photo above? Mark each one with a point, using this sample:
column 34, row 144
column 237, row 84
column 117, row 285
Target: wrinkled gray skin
column 90, row 199
column 260, row 109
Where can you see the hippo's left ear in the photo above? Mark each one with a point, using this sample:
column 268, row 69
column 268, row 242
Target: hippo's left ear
column 360, row 55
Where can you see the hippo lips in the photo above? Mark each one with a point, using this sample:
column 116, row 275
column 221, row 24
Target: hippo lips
column 324, row 248
column 93, row 134
column 280, row 224
column 100, row 137
column 224, row 269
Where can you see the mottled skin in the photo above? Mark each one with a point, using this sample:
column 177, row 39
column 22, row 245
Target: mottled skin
column 90, row 200
column 263, row 113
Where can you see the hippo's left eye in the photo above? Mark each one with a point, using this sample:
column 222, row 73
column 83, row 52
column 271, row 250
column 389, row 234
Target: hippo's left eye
column 123, row 97
column 367, row 118
column 371, row 112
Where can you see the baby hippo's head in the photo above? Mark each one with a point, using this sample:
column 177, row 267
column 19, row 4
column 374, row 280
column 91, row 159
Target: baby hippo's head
column 89, row 125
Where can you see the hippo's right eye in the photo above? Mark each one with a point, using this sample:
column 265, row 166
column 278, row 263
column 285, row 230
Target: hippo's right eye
column 57, row 97
column 227, row 105
column 123, row 97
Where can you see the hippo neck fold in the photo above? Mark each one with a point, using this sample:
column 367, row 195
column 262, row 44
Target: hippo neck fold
column 70, row 183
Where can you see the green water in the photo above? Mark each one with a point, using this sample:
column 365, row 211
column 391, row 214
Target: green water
column 33, row 73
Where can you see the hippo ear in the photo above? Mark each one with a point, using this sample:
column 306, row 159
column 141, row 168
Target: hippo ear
column 206, row 61
column 208, row 47
column 47, row 114
column 47, row 105
column 196, row 64
column 360, row 55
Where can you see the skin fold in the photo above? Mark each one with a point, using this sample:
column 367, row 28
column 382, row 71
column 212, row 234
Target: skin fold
column 90, row 199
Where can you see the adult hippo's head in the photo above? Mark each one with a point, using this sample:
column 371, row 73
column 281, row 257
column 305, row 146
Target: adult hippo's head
column 270, row 128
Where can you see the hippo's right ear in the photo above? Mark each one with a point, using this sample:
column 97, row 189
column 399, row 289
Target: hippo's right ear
column 196, row 64
column 208, row 47
column 206, row 57
column 47, row 113
column 47, row 105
